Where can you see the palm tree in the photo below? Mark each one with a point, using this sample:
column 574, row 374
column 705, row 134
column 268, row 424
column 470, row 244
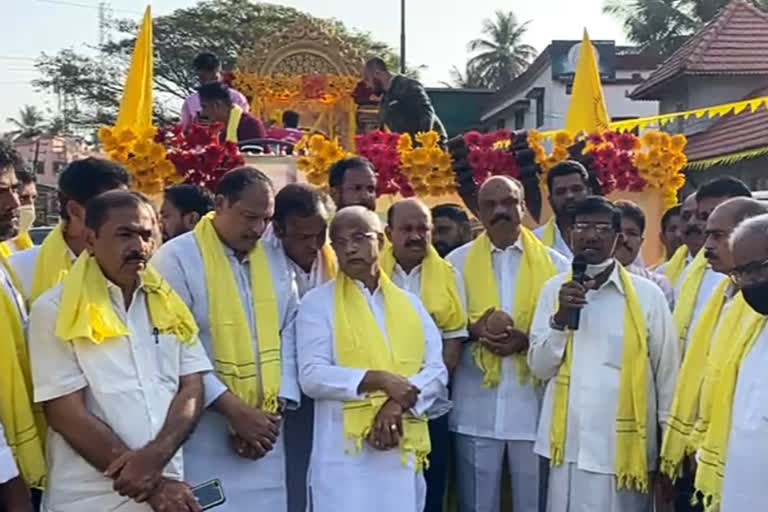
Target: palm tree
column 468, row 79
column 503, row 55
column 30, row 122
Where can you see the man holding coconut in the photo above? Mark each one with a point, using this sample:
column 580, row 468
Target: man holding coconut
column 496, row 406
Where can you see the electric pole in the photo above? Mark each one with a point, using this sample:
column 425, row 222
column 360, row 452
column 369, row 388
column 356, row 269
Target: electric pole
column 402, row 37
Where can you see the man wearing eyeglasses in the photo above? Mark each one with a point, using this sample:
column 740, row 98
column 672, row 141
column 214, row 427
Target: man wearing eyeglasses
column 610, row 375
column 371, row 358
column 720, row 225
column 742, row 386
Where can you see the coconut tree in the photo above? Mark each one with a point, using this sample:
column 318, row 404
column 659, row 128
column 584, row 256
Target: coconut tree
column 29, row 122
column 470, row 78
column 501, row 55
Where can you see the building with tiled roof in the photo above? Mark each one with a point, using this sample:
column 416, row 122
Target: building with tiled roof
column 725, row 61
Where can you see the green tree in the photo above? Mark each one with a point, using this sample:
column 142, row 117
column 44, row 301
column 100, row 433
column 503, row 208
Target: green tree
column 662, row 26
column 29, row 123
column 90, row 87
column 470, row 78
column 501, row 55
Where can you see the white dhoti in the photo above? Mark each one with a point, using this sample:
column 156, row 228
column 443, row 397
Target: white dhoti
column 575, row 490
column 479, row 463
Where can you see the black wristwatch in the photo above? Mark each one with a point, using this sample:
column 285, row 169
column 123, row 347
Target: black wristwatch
column 555, row 325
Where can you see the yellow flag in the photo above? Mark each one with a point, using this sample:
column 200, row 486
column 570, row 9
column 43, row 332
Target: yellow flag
column 136, row 103
column 587, row 111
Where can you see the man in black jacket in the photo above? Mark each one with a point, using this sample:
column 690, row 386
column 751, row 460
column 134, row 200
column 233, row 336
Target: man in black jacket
column 405, row 106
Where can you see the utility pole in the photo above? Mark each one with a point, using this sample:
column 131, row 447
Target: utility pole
column 402, row 37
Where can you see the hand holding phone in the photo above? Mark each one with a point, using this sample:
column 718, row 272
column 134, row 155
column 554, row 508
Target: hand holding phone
column 210, row 494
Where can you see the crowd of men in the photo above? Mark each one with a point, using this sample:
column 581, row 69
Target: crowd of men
column 309, row 356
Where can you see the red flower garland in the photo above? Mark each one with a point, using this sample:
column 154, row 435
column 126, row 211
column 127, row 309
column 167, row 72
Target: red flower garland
column 613, row 162
column 382, row 151
column 487, row 160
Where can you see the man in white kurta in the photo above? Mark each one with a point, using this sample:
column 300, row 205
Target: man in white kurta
column 249, row 485
column 586, row 481
column 342, row 478
column 492, row 421
column 127, row 384
column 13, row 491
column 299, row 235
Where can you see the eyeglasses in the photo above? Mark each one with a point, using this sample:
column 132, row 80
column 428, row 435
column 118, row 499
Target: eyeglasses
column 601, row 228
column 755, row 271
column 354, row 241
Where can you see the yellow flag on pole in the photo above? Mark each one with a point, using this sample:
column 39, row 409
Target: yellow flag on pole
column 136, row 103
column 587, row 111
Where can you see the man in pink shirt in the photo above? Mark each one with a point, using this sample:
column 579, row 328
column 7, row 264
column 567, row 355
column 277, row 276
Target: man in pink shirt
column 208, row 69
column 290, row 131
column 217, row 105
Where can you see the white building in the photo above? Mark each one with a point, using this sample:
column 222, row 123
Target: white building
column 539, row 98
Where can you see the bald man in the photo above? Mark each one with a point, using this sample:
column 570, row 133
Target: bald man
column 496, row 406
column 720, row 225
column 414, row 265
column 747, row 449
column 369, row 354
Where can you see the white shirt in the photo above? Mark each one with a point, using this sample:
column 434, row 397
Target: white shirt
column 596, row 370
column 24, row 264
column 656, row 278
column 8, row 469
column 709, row 284
column 509, row 411
column 411, row 282
column 129, row 384
column 342, row 479
column 6, row 286
column 560, row 245
column 248, row 484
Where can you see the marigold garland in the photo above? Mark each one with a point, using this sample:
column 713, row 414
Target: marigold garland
column 319, row 155
column 321, row 88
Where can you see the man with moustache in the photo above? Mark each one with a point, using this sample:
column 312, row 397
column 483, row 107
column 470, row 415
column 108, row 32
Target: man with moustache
column 693, row 240
column 244, row 300
column 370, row 356
column 27, row 197
column 183, row 206
column 496, row 405
column 699, row 280
column 671, row 231
column 712, row 333
column 628, row 251
column 117, row 365
column 416, row 267
column 352, row 182
column 610, row 379
column 451, row 228
column 22, row 464
column 405, row 106
column 567, row 183
column 299, row 234
column 732, row 466
column 43, row 266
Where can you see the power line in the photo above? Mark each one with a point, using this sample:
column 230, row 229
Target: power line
column 85, row 6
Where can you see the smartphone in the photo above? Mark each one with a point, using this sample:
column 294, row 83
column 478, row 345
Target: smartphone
column 210, row 494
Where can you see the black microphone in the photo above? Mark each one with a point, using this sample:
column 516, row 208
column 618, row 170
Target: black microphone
column 579, row 269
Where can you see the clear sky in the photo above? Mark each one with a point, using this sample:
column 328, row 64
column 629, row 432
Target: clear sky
column 437, row 31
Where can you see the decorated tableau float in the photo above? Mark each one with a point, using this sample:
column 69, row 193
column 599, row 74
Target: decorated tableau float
column 308, row 70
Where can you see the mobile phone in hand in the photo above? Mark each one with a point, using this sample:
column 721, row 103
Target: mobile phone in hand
column 210, row 494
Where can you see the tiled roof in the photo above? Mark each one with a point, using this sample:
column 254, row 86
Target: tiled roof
column 734, row 42
column 732, row 133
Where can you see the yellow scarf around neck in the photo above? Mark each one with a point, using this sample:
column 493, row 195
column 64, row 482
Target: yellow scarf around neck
column 5, row 250
column 727, row 330
column 483, row 293
column 235, row 114
column 632, row 411
column 550, row 232
column 676, row 265
column 685, row 405
column 254, row 381
column 439, row 290
column 330, row 265
column 23, row 241
column 714, row 450
column 24, row 430
column 53, row 263
column 360, row 343
column 87, row 312
column 689, row 293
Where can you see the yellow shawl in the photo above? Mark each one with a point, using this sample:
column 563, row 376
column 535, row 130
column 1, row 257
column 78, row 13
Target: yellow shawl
column 676, row 265
column 234, row 122
column 685, row 405
column 632, row 411
column 689, row 292
column 86, row 310
column 439, row 290
column 24, row 430
column 20, row 243
column 53, row 263
column 255, row 381
column 360, row 343
column 550, row 232
column 483, row 293
column 714, row 450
